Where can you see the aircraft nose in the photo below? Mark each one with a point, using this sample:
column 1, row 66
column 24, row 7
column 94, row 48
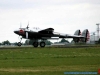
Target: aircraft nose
column 16, row 32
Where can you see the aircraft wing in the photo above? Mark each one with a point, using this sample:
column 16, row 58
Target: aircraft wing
column 70, row 36
column 48, row 30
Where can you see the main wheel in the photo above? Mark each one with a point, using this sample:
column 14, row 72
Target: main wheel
column 19, row 43
column 42, row 44
column 35, row 44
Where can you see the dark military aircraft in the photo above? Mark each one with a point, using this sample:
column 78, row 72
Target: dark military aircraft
column 44, row 34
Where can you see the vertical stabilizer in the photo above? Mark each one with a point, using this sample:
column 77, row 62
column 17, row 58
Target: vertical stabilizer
column 77, row 32
column 86, row 34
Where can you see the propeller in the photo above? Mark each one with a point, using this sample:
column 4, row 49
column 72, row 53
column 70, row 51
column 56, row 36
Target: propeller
column 26, row 35
column 20, row 25
column 26, row 31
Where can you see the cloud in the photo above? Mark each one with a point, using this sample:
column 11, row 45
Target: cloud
column 64, row 16
column 23, row 4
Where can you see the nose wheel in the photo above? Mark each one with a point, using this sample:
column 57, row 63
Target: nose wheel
column 19, row 43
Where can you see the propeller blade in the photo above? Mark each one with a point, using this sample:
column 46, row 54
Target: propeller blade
column 27, row 26
column 26, row 35
column 20, row 25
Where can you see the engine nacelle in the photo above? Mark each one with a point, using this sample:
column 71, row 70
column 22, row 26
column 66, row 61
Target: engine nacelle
column 77, row 32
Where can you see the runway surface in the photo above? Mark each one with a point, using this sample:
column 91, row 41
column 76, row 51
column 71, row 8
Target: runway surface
column 69, row 46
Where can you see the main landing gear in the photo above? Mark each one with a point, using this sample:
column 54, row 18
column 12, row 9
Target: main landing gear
column 42, row 44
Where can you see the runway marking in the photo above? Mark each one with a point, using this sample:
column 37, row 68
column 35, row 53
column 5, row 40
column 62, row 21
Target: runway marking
column 19, row 70
column 1, row 54
column 49, row 68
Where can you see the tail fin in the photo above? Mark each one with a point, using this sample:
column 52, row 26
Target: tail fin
column 86, row 34
column 77, row 32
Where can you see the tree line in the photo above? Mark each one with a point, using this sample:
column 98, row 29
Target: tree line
column 30, row 42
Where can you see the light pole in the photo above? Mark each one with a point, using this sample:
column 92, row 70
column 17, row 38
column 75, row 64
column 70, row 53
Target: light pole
column 94, row 37
column 98, row 30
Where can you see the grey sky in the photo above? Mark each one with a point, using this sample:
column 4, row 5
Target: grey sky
column 64, row 16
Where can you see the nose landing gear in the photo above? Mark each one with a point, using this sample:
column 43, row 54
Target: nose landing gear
column 19, row 43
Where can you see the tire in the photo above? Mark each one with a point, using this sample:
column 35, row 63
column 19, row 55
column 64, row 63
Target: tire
column 19, row 44
column 42, row 44
column 35, row 44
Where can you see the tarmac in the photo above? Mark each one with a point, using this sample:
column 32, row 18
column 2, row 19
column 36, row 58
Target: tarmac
column 49, row 46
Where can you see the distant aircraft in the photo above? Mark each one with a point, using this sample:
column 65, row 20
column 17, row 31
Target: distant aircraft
column 44, row 34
